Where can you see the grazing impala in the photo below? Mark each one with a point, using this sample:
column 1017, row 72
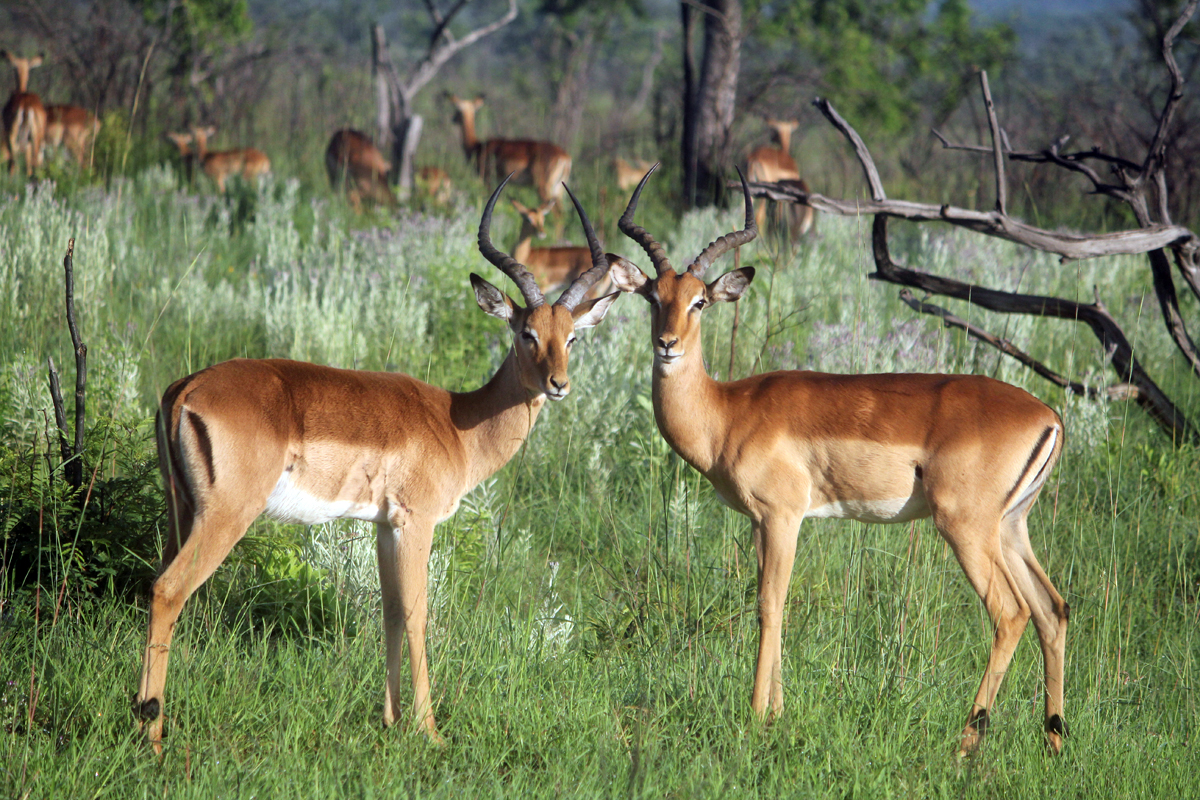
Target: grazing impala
column 356, row 166
column 551, row 266
column 307, row 443
column 772, row 164
column 542, row 165
column 969, row 451
column 220, row 165
column 72, row 127
column 24, row 118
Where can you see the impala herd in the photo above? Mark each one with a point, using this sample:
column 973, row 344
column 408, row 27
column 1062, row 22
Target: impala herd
column 306, row 443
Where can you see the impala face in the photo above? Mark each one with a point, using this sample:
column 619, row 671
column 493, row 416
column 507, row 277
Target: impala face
column 542, row 336
column 676, row 301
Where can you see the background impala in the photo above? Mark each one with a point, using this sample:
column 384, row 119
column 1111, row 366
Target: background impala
column 969, row 451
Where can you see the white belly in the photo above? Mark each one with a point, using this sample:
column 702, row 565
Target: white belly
column 900, row 509
column 288, row 503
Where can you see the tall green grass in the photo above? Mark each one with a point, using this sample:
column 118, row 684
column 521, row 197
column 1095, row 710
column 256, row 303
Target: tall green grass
column 593, row 620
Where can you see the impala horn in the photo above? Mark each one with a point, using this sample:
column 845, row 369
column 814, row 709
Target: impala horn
column 730, row 241
column 639, row 234
column 503, row 261
column 584, row 283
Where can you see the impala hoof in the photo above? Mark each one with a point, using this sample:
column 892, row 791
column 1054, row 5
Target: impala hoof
column 1056, row 731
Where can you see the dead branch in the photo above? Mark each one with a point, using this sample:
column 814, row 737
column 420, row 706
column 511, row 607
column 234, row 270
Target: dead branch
column 997, row 145
column 1095, row 315
column 1118, row 391
column 991, row 223
column 72, row 456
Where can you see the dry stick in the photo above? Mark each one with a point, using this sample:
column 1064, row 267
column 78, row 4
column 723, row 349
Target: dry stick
column 997, row 144
column 1118, row 391
column 60, row 416
column 75, row 473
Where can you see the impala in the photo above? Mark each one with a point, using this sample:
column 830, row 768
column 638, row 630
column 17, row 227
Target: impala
column 770, row 164
column 220, row 165
column 629, row 175
column 969, row 451
column 435, row 183
column 543, row 165
column 551, row 266
column 356, row 166
column 24, row 117
column 307, row 443
column 72, row 127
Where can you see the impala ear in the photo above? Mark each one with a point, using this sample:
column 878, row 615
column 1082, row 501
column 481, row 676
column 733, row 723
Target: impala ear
column 590, row 312
column 493, row 301
column 731, row 285
column 626, row 275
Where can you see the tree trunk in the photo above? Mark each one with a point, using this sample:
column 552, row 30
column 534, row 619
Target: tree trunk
column 688, row 140
column 571, row 92
column 709, row 103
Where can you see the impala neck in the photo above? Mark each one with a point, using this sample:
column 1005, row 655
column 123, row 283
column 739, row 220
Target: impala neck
column 469, row 140
column 495, row 419
column 686, row 401
column 785, row 139
column 524, row 243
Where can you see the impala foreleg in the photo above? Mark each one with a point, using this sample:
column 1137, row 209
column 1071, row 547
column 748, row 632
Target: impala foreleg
column 775, row 545
column 403, row 548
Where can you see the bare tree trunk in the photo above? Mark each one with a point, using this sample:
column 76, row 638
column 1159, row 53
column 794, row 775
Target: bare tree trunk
column 688, row 141
column 400, row 129
column 713, row 107
column 571, row 92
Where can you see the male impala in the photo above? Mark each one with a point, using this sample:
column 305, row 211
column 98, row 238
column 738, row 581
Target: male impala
column 969, row 451
column 220, row 165
column 770, row 164
column 72, row 127
column 543, row 165
column 307, row 443
column 356, row 166
column 24, row 117
column 551, row 266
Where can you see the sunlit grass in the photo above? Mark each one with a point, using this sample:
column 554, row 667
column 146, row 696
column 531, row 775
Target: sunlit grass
column 593, row 628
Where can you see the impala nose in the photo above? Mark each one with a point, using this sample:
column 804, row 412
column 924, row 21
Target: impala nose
column 560, row 388
column 667, row 345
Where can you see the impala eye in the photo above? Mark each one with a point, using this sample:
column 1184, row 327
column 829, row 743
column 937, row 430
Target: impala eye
column 529, row 336
column 699, row 304
column 570, row 341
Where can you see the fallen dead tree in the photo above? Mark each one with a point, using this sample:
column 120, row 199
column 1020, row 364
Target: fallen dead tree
column 1142, row 185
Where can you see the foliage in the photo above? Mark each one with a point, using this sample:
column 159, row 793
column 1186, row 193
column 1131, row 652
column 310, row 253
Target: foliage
column 891, row 65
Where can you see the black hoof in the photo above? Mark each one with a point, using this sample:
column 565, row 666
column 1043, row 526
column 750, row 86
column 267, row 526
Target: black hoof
column 149, row 710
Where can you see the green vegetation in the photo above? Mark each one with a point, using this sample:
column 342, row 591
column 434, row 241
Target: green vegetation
column 593, row 626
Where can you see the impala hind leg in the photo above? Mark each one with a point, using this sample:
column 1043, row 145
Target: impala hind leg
column 775, row 546
column 980, row 553
column 1050, row 615
column 209, row 538
column 403, row 549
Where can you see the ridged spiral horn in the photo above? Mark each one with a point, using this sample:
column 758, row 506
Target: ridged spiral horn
column 658, row 256
column 730, row 241
column 584, row 283
column 503, row 261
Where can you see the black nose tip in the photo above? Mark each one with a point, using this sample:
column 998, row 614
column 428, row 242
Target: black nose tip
column 664, row 343
column 558, row 384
